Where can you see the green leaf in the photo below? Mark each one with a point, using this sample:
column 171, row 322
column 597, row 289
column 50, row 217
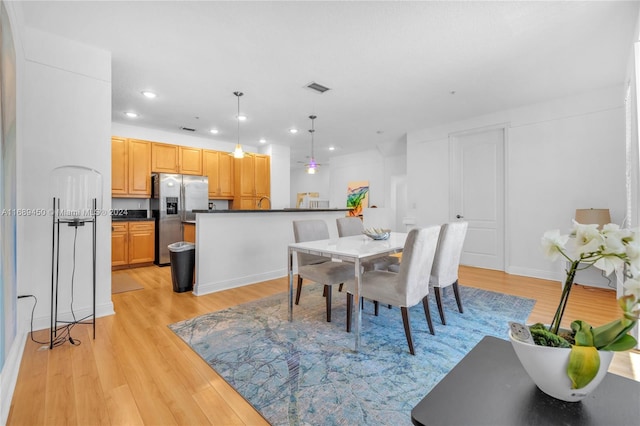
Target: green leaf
column 605, row 335
column 584, row 362
column 624, row 343
column 583, row 333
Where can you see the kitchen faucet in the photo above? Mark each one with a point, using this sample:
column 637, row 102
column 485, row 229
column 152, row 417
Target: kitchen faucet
column 264, row 198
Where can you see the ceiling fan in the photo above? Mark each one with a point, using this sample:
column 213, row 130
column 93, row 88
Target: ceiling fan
column 311, row 166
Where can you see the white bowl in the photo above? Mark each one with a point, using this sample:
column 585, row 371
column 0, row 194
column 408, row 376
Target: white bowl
column 377, row 234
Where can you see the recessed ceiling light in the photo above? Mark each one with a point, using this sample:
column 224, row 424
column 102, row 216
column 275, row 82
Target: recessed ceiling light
column 293, row 131
column 148, row 94
column 214, row 131
column 242, row 117
column 131, row 114
column 263, row 140
column 332, row 148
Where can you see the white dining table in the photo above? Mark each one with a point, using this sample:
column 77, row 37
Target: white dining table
column 354, row 249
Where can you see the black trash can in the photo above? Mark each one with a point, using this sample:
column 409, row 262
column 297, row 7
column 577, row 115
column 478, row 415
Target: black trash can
column 183, row 261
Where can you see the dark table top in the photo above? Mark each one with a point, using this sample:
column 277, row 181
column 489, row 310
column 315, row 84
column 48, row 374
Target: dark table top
column 490, row 387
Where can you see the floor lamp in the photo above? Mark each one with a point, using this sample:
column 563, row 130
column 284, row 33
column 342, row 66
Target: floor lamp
column 77, row 200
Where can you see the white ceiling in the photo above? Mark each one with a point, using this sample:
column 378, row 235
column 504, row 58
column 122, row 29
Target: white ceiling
column 391, row 65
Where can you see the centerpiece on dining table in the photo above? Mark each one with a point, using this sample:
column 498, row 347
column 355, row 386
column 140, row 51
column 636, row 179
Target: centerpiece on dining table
column 377, row 233
column 568, row 364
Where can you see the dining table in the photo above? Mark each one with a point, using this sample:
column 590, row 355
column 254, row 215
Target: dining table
column 354, row 249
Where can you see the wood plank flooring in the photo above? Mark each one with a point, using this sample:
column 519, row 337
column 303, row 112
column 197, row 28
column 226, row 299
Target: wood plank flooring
column 137, row 372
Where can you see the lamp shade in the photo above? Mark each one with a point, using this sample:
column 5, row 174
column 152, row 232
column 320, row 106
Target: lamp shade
column 591, row 216
column 75, row 187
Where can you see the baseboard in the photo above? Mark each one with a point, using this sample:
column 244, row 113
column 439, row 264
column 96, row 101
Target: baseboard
column 207, row 288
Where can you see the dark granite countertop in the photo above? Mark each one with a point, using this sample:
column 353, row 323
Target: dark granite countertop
column 272, row 211
column 130, row 216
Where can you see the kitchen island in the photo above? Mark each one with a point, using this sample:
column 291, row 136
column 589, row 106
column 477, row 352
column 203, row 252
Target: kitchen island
column 239, row 247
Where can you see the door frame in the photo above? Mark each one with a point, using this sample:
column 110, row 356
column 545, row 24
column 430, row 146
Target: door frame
column 505, row 176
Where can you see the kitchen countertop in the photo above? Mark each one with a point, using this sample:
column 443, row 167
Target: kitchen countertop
column 130, row 219
column 288, row 210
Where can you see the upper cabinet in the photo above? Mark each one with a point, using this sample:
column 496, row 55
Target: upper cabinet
column 130, row 168
column 218, row 167
column 252, row 182
column 167, row 158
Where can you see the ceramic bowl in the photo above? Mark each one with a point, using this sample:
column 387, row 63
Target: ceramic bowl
column 377, row 234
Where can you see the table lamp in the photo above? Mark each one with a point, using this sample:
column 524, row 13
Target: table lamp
column 591, row 216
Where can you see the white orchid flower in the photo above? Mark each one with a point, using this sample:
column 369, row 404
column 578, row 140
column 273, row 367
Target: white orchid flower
column 588, row 239
column 609, row 263
column 553, row 243
column 632, row 286
column 615, row 238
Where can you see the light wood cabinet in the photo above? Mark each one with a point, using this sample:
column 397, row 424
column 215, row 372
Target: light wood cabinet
column 119, row 246
column 190, row 161
column 189, row 232
column 218, row 167
column 130, row 168
column 166, row 158
column 141, row 242
column 132, row 243
column 252, row 181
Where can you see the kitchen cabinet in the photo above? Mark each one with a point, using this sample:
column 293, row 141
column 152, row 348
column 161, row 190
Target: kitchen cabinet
column 189, row 232
column 252, row 181
column 130, row 168
column 166, row 158
column 218, row 167
column 119, row 246
column 132, row 243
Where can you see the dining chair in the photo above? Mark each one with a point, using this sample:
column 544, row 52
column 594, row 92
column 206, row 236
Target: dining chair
column 350, row 226
column 319, row 269
column 444, row 272
column 406, row 288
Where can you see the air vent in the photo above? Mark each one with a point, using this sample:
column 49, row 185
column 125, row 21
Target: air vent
column 317, row 87
column 188, row 129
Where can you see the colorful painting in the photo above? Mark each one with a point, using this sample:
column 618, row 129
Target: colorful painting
column 357, row 197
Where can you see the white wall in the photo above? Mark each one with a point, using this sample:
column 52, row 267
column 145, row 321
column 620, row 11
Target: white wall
column 280, row 176
column 368, row 165
column 301, row 181
column 561, row 155
column 175, row 138
column 65, row 119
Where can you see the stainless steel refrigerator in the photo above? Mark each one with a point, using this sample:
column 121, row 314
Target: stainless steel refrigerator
column 173, row 199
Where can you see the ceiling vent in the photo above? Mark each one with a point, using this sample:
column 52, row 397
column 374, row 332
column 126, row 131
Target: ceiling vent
column 188, row 129
column 318, row 88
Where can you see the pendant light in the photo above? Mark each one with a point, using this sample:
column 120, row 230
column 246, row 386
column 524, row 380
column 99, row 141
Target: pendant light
column 312, row 166
column 238, row 153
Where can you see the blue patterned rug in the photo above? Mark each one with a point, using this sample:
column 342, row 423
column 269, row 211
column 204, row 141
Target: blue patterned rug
column 306, row 372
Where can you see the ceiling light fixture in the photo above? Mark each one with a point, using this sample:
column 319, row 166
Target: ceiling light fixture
column 262, row 140
column 332, row 148
column 148, row 94
column 131, row 114
column 312, row 166
column 214, row 131
column 293, row 131
column 238, row 153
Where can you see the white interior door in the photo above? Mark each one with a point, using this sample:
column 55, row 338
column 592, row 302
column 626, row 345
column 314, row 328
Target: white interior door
column 477, row 194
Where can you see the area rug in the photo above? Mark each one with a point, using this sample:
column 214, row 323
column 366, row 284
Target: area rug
column 306, row 371
column 122, row 281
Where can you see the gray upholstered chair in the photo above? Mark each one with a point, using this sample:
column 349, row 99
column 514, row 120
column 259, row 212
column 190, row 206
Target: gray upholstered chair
column 318, row 268
column 350, row 226
column 444, row 272
column 406, row 288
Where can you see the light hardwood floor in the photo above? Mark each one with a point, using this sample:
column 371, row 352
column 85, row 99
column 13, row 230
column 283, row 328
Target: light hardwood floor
column 138, row 372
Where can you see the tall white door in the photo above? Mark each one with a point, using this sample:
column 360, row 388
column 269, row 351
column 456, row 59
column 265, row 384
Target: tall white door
column 477, row 195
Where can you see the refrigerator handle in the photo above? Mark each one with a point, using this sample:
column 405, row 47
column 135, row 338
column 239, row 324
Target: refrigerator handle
column 182, row 204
